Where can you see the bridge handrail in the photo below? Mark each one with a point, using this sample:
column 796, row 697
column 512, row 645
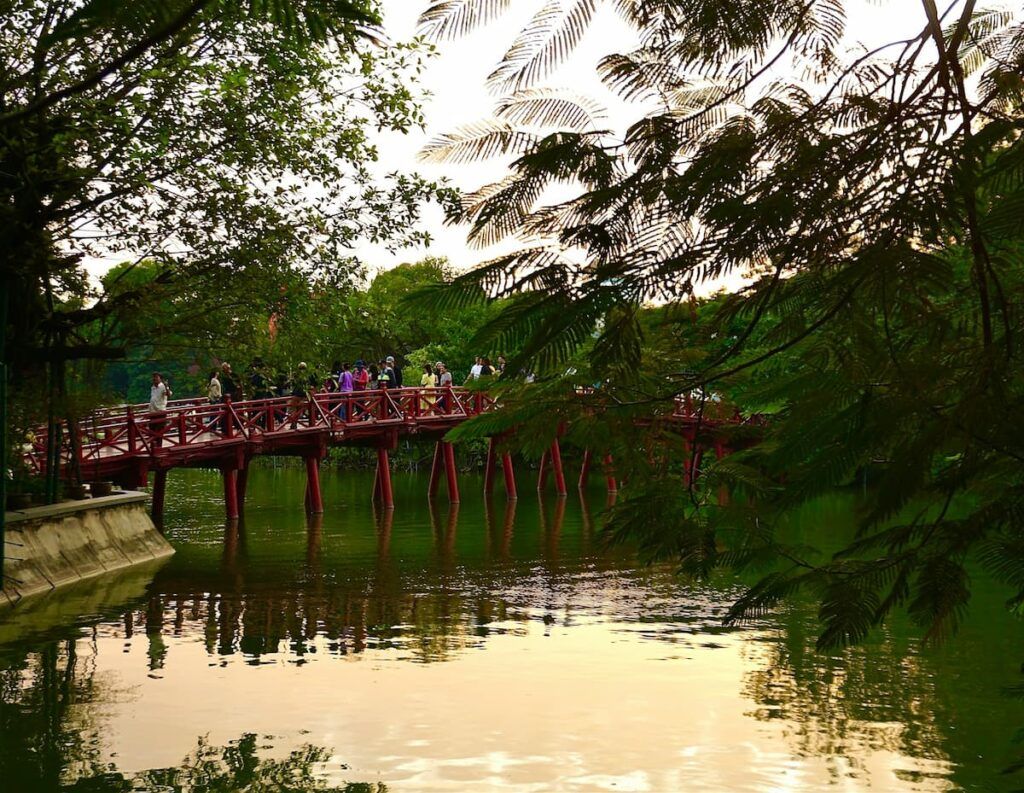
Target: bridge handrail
column 132, row 430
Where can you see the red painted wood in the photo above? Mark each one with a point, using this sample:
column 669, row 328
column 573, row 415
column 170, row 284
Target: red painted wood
column 132, row 431
column 489, row 466
column 119, row 443
column 556, row 467
column 451, row 473
column 241, row 484
column 230, row 493
column 384, row 477
column 435, row 469
column 584, row 470
column 316, row 501
column 229, row 424
column 510, row 476
column 312, row 480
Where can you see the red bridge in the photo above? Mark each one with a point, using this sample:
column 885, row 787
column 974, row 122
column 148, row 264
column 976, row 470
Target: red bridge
column 124, row 444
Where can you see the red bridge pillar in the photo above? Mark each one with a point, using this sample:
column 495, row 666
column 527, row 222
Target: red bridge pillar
column 314, row 499
column 230, row 476
column 242, row 480
column 510, row 477
column 556, row 466
column 382, row 483
column 451, row 472
column 444, row 460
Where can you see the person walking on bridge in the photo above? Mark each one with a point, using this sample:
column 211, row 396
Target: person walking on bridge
column 396, row 372
column 213, row 389
column 159, row 393
column 444, row 380
column 229, row 384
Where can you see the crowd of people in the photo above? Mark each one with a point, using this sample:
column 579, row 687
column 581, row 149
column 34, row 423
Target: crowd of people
column 260, row 382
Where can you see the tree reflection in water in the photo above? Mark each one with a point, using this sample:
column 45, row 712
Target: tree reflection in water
column 461, row 575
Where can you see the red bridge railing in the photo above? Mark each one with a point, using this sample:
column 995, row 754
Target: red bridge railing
column 191, row 426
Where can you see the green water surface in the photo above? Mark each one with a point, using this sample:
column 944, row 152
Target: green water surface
column 488, row 646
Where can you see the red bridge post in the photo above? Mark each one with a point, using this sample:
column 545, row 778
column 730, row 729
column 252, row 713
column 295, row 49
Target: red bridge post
column 451, row 472
column 556, row 466
column 384, row 478
column 510, row 476
column 230, row 492
column 242, row 480
column 315, row 501
column 132, row 431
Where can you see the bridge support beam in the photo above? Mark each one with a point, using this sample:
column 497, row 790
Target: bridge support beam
column 314, row 499
column 382, row 485
column 451, row 472
column 159, row 490
column 435, row 469
column 490, row 466
column 510, row 477
column 241, row 483
column 556, row 467
column 230, row 476
column 584, row 470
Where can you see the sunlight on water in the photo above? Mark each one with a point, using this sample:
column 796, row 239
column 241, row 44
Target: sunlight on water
column 478, row 647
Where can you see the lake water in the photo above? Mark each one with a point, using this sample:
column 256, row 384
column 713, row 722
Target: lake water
column 484, row 647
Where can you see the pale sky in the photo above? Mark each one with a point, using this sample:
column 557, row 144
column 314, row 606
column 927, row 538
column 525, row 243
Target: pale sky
column 455, row 79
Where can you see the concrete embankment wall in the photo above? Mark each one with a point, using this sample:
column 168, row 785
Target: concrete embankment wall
column 49, row 547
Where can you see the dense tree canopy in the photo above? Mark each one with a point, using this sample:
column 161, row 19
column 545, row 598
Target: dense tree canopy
column 316, row 321
column 872, row 201
column 229, row 143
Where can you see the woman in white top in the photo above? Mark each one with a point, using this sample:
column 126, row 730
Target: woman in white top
column 213, row 390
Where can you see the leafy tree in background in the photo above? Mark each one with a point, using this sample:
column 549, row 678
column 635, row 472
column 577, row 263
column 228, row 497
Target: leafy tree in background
column 225, row 144
column 872, row 200
column 317, row 320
